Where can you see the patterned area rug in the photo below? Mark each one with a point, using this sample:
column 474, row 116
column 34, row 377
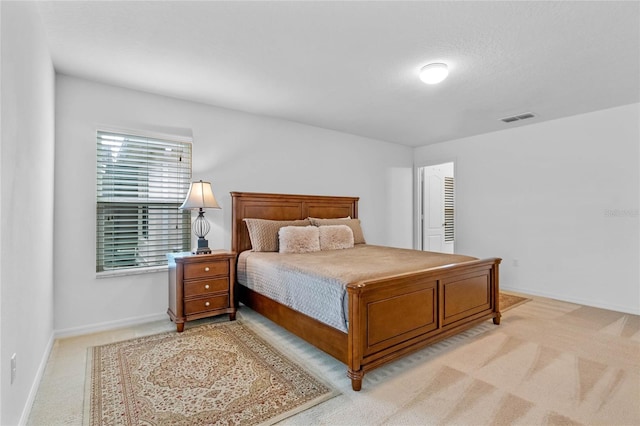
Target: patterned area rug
column 508, row 301
column 221, row 373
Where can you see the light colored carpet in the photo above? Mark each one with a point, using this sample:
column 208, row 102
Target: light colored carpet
column 212, row 374
column 549, row 362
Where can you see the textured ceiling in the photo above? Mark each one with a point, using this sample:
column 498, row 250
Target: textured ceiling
column 353, row 66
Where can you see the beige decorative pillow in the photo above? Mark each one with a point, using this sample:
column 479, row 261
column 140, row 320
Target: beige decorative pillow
column 354, row 224
column 299, row 239
column 335, row 237
column 264, row 233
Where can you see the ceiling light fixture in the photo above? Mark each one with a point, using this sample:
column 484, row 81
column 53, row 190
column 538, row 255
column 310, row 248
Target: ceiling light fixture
column 434, row 73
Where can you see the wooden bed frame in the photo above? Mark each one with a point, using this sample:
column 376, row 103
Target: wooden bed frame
column 388, row 316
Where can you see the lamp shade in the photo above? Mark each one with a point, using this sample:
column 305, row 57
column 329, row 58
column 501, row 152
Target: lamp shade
column 200, row 196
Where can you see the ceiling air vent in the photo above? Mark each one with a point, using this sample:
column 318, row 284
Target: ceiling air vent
column 518, row 117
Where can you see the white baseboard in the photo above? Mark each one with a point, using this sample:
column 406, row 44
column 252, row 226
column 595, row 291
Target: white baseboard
column 577, row 300
column 109, row 325
column 26, row 411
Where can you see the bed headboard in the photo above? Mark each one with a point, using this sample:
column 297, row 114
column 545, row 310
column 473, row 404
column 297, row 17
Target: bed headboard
column 283, row 207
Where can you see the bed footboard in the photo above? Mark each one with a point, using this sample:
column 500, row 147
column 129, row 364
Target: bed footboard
column 392, row 316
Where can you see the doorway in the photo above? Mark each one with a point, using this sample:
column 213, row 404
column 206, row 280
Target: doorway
column 437, row 208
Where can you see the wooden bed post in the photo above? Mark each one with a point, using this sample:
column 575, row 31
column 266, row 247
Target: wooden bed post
column 496, row 293
column 354, row 367
column 356, row 379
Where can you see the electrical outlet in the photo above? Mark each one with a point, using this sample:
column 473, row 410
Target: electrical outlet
column 13, row 368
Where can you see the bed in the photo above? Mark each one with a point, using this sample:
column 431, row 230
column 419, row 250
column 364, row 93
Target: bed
column 387, row 316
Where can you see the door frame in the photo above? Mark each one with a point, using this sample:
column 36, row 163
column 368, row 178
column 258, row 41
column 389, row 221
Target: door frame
column 417, row 197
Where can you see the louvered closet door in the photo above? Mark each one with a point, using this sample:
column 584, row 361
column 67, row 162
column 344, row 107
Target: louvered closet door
column 438, row 208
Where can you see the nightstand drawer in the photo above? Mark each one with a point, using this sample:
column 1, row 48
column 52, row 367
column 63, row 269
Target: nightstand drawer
column 201, row 287
column 206, row 269
column 206, row 304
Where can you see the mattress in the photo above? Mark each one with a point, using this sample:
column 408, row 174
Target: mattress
column 315, row 283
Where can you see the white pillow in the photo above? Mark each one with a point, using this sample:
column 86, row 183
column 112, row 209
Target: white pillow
column 299, row 239
column 335, row 237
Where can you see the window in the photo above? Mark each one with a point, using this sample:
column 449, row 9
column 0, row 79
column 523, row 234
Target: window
column 141, row 182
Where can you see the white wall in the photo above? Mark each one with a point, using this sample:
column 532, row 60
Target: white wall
column 26, row 217
column 236, row 152
column 560, row 198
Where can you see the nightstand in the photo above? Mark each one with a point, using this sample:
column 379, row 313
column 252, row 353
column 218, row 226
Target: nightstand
column 201, row 286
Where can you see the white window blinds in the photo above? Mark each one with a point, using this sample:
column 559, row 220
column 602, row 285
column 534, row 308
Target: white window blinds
column 448, row 210
column 141, row 182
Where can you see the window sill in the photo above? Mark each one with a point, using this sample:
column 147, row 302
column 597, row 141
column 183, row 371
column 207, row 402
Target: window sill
column 135, row 271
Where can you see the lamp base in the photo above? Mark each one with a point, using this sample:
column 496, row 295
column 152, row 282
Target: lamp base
column 203, row 246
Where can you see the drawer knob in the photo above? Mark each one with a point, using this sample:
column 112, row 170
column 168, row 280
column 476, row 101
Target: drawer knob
column 206, row 304
column 206, row 287
column 206, row 269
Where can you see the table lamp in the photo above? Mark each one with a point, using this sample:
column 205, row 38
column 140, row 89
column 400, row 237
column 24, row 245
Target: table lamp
column 200, row 196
